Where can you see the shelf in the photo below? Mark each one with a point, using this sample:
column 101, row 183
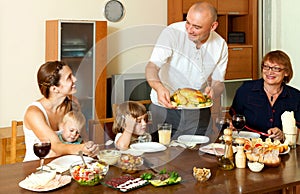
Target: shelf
column 74, row 41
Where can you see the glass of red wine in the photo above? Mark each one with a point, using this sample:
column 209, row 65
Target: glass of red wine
column 41, row 148
column 238, row 121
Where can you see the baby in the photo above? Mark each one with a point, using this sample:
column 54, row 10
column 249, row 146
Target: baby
column 130, row 124
column 71, row 127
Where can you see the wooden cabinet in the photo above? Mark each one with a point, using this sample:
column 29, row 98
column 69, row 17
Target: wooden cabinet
column 233, row 6
column 82, row 45
column 188, row 3
column 237, row 25
column 239, row 63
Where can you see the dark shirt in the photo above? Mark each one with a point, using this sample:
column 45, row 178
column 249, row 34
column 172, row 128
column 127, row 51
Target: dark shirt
column 252, row 101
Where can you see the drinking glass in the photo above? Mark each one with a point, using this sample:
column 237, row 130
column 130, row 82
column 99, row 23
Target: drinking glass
column 222, row 123
column 238, row 121
column 41, row 148
column 164, row 133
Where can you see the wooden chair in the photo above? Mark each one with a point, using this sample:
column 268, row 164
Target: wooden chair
column 13, row 145
column 101, row 130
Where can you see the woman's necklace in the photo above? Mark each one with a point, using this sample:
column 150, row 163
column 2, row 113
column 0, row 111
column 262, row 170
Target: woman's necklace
column 272, row 94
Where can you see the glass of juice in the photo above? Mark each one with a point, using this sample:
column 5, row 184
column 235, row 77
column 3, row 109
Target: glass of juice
column 164, row 133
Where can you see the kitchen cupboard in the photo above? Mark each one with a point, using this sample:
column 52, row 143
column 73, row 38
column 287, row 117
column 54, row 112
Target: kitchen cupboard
column 82, row 45
column 237, row 25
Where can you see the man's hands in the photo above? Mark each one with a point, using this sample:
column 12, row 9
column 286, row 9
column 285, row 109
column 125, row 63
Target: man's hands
column 163, row 96
column 209, row 92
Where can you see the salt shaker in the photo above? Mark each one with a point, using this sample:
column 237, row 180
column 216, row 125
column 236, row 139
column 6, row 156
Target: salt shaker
column 240, row 156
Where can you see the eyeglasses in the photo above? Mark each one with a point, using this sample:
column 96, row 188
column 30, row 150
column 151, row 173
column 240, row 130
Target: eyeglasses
column 275, row 69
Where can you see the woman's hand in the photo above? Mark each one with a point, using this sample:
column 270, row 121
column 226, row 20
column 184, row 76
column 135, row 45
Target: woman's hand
column 91, row 149
column 276, row 133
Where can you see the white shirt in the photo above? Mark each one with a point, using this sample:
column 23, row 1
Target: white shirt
column 182, row 65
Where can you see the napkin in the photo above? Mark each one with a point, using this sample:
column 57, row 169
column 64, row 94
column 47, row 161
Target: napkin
column 289, row 126
column 175, row 143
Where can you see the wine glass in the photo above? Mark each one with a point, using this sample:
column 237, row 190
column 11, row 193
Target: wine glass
column 238, row 121
column 222, row 123
column 41, row 148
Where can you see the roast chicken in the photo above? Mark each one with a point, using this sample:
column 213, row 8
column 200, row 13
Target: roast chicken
column 188, row 97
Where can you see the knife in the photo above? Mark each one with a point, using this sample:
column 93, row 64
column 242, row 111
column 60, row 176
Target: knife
column 259, row 132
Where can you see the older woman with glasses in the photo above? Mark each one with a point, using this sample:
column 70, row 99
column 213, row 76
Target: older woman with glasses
column 263, row 101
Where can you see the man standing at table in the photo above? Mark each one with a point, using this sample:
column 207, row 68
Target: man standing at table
column 188, row 54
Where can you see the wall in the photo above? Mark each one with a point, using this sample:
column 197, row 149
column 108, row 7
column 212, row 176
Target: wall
column 22, row 38
column 285, row 32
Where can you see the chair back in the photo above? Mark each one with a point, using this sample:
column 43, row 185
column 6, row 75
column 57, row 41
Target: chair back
column 13, row 146
column 101, row 130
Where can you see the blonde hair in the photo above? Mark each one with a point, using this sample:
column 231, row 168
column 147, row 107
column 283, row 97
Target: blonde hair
column 135, row 109
column 77, row 117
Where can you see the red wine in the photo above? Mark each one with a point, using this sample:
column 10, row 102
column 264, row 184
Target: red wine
column 41, row 149
column 239, row 124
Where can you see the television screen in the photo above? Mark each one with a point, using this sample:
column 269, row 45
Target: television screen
column 137, row 89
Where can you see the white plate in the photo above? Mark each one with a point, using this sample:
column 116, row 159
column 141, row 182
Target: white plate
column 193, row 108
column 195, row 139
column 215, row 149
column 63, row 163
column 245, row 134
column 287, row 151
column 148, row 147
column 59, row 181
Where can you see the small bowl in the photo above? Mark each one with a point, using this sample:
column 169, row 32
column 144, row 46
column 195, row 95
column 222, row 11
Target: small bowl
column 89, row 175
column 201, row 174
column 129, row 163
column 255, row 166
column 110, row 157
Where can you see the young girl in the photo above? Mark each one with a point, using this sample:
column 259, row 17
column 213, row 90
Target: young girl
column 72, row 128
column 130, row 124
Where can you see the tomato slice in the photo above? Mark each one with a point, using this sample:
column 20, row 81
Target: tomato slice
column 258, row 145
column 247, row 147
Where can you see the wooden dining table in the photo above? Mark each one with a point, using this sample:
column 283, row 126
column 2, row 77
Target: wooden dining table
column 181, row 160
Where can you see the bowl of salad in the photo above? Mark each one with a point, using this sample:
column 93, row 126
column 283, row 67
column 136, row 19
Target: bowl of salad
column 90, row 174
